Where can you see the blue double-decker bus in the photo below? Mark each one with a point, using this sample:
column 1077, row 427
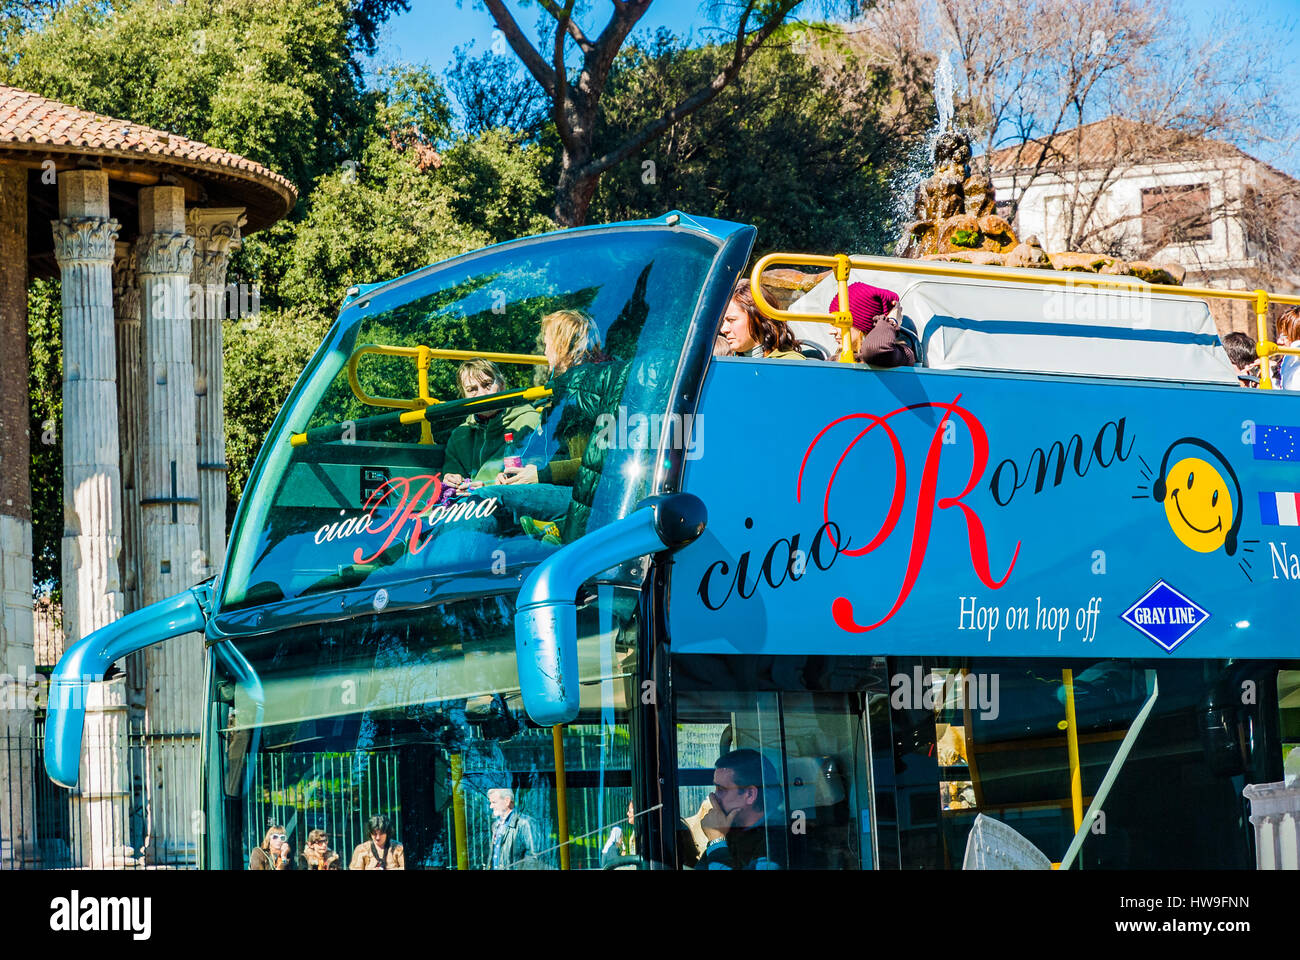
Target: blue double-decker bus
column 1045, row 576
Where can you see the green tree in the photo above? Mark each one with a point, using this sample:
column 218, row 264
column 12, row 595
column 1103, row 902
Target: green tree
column 403, row 205
column 804, row 144
column 45, row 397
column 575, row 90
column 279, row 83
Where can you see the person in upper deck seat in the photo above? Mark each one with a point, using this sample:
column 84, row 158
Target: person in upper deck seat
column 1241, row 351
column 1288, row 335
column 749, row 333
column 584, row 382
column 874, row 335
column 477, row 448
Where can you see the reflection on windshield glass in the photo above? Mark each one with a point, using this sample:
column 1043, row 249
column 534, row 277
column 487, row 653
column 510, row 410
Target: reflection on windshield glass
column 416, row 717
column 475, row 418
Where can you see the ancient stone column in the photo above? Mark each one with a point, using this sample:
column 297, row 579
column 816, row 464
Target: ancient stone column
column 17, row 656
column 216, row 236
column 130, row 405
column 92, row 512
column 100, row 818
column 1275, row 814
column 84, row 246
column 169, row 511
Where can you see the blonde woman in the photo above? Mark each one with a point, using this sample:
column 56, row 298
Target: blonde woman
column 569, row 339
column 274, row 853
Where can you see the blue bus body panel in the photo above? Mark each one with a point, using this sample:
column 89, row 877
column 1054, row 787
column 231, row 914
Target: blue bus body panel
column 956, row 513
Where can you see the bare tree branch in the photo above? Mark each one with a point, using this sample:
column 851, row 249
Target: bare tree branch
column 741, row 54
column 523, row 49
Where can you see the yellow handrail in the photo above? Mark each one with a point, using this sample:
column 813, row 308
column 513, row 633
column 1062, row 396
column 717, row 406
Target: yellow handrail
column 841, row 264
column 561, row 796
column 1072, row 749
column 422, row 355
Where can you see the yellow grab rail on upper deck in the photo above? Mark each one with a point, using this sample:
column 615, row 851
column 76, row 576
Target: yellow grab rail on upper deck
column 841, row 264
column 422, row 355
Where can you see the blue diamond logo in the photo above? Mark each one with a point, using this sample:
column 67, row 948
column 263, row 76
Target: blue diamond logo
column 1165, row 616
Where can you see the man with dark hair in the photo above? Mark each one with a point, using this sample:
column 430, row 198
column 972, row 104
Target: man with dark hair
column 381, row 851
column 744, row 827
column 1241, row 351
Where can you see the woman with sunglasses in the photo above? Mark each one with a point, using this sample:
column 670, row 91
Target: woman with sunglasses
column 274, row 853
column 317, row 855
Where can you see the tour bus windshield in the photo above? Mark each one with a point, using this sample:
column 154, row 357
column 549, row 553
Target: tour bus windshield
column 416, row 716
column 547, row 363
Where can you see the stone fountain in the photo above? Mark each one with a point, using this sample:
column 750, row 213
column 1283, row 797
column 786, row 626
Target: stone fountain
column 954, row 209
column 955, row 220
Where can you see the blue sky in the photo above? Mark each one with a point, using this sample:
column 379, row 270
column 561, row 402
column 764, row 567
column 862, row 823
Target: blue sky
column 433, row 28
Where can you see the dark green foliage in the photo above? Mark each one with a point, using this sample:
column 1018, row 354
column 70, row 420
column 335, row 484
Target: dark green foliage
column 45, row 399
column 800, row 146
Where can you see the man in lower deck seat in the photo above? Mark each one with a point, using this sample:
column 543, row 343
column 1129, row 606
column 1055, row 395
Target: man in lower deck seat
column 744, row 827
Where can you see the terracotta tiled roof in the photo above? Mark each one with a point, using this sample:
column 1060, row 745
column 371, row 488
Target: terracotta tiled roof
column 1105, row 141
column 38, row 124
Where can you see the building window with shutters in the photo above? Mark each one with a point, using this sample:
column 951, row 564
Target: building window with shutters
column 1176, row 214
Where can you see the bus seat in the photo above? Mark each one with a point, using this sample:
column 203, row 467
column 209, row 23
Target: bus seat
column 907, row 330
column 812, row 350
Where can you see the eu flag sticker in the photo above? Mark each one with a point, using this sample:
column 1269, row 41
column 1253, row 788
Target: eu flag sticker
column 1277, row 443
column 1165, row 616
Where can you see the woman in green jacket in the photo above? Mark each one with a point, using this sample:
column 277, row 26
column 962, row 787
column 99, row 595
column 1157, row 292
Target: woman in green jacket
column 476, row 450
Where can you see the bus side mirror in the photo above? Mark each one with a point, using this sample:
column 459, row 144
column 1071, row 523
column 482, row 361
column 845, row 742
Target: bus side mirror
column 87, row 660
column 546, row 614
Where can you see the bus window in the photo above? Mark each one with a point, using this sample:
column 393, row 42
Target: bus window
column 788, row 766
column 416, row 716
column 991, row 737
column 1288, row 700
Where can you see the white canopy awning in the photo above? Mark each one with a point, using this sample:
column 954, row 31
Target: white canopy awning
column 968, row 323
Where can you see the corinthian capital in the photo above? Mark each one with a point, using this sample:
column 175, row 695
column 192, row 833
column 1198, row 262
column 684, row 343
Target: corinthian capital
column 216, row 235
column 165, row 253
column 84, row 239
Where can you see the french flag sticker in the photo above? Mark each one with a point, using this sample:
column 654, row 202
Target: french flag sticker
column 1279, row 509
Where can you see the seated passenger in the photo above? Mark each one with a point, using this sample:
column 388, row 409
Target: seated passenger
column 317, row 855
column 1288, row 335
column 1241, row 351
column 576, row 366
column 749, row 333
column 274, row 853
column 874, row 335
column 379, row 852
column 744, row 828
column 477, row 448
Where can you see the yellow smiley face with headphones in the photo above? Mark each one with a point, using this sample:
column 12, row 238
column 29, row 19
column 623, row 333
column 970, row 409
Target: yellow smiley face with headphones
column 1198, row 505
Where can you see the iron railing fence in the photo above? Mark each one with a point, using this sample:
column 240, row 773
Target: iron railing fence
column 110, row 821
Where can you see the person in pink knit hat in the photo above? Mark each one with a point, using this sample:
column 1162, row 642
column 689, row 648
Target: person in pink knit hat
column 873, row 336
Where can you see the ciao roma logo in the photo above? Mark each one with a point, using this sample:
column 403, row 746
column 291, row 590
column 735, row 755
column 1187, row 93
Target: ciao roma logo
column 1046, row 466
column 414, row 502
